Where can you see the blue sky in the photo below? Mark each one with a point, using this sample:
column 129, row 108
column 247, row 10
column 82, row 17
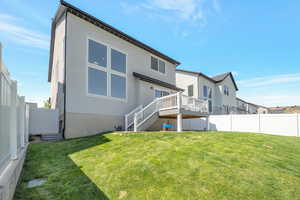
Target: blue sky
column 256, row 40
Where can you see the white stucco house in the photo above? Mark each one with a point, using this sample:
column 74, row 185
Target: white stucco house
column 103, row 79
column 245, row 107
column 219, row 91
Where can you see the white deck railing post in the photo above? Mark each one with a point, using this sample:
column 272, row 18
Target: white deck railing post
column 13, row 121
column 179, row 100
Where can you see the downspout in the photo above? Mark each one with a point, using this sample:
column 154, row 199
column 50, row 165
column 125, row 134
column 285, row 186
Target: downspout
column 65, row 75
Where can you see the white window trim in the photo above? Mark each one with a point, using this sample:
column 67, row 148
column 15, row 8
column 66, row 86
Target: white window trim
column 225, row 86
column 209, row 98
column 162, row 90
column 106, row 69
column 208, row 88
column 192, row 90
column 159, row 59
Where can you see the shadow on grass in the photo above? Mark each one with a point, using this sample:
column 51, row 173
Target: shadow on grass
column 65, row 179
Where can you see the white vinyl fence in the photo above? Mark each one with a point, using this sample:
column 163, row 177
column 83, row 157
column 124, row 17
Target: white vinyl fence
column 276, row 124
column 13, row 133
column 43, row 121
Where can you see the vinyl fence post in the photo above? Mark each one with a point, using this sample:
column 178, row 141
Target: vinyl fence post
column 1, row 88
column 231, row 129
column 259, row 124
column 22, row 120
column 13, row 121
column 27, row 118
column 298, row 128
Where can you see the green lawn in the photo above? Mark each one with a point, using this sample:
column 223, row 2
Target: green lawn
column 157, row 165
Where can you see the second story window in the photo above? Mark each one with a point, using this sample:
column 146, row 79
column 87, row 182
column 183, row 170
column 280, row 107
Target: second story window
column 158, row 65
column 106, row 78
column 226, row 90
column 191, row 90
column 97, row 54
column 207, row 94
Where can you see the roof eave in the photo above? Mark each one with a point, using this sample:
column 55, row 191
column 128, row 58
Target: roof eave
column 117, row 32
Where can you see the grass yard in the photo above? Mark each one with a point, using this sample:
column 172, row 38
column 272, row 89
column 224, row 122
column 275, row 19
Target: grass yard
column 158, row 165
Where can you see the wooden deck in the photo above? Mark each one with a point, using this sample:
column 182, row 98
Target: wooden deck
column 186, row 114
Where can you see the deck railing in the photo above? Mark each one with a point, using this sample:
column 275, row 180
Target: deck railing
column 193, row 104
column 173, row 101
column 167, row 102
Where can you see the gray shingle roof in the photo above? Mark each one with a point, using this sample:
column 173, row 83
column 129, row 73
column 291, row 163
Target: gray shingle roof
column 221, row 77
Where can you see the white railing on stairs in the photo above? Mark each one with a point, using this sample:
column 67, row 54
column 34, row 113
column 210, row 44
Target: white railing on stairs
column 145, row 114
column 129, row 118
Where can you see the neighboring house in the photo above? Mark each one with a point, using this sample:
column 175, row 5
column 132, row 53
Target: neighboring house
column 219, row 91
column 99, row 74
column 276, row 110
column 244, row 107
column 262, row 110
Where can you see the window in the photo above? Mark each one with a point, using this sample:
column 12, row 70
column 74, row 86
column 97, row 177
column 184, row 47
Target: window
column 161, row 67
column 118, row 86
column 158, row 65
column 105, row 80
column 190, row 90
column 118, row 61
column 226, row 90
column 160, row 93
column 205, row 91
column 97, row 53
column 97, row 82
column 207, row 94
column 154, row 64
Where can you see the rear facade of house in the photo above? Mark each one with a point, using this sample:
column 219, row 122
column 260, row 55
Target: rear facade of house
column 98, row 74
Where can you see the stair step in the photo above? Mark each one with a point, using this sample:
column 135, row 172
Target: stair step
column 51, row 137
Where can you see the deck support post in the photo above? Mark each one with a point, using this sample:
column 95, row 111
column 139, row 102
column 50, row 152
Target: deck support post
column 179, row 122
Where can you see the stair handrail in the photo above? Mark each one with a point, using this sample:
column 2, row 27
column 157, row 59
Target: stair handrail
column 129, row 118
column 140, row 117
